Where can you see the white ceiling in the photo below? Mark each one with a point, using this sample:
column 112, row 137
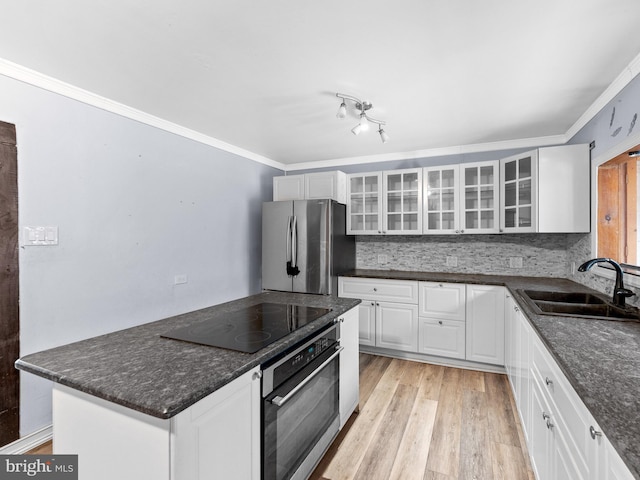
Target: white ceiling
column 262, row 75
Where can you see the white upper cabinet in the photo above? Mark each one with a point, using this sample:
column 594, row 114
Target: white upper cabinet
column 441, row 192
column 402, row 207
column 546, row 190
column 479, row 197
column 364, row 204
column 311, row 186
column 462, row 198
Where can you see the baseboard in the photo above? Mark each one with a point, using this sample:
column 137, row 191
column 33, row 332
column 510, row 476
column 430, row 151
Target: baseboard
column 445, row 362
column 28, row 442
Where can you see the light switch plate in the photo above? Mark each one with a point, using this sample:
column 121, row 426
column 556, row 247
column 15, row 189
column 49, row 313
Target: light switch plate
column 39, row 236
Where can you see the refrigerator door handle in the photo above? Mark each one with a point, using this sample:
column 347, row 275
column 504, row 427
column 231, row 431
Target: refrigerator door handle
column 292, row 255
column 288, row 257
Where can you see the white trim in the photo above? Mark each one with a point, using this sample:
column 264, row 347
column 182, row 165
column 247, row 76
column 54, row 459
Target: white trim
column 28, row 442
column 630, row 142
column 434, row 152
column 45, row 82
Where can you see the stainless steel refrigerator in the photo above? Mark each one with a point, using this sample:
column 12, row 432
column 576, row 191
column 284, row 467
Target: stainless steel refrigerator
column 305, row 246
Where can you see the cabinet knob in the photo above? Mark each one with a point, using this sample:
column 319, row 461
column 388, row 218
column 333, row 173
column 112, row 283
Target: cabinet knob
column 372, row 304
column 457, row 231
column 257, row 375
column 548, row 381
column 440, row 285
column 545, row 416
column 501, row 230
column 375, row 289
column 550, row 425
column 440, row 322
column 516, row 309
column 377, row 304
column 461, row 231
column 379, row 231
column 594, row 433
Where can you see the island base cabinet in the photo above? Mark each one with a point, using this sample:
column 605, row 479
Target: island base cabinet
column 111, row 441
column 217, row 437
column 349, row 365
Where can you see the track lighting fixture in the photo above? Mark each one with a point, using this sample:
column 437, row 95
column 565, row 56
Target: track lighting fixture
column 365, row 119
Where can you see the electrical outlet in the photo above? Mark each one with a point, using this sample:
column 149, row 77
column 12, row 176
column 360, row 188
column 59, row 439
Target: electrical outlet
column 515, row 262
column 452, row 261
column 180, row 279
column 382, row 259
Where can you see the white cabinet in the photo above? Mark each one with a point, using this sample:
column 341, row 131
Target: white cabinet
column 311, row 186
column 397, row 326
column 441, row 198
column 349, row 365
column 219, row 436
column 388, row 314
column 364, row 204
column 442, row 319
column 563, row 438
column 402, row 206
column 479, row 197
column 461, row 198
column 485, row 324
column 546, row 190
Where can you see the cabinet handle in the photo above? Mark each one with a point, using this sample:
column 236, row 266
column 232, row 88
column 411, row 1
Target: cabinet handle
column 550, row 425
column 548, row 381
column 258, row 376
column 594, row 433
column 545, row 416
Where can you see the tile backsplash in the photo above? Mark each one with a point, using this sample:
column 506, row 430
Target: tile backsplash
column 548, row 255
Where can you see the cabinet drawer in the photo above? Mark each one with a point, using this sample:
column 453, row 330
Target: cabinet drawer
column 445, row 338
column 442, row 300
column 404, row 291
column 569, row 411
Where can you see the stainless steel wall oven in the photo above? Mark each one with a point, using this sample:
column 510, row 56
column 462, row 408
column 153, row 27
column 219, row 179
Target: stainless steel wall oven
column 300, row 407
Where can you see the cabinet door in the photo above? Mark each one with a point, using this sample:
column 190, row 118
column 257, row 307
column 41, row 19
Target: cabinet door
column 325, row 185
column 615, row 467
column 220, row 434
column 442, row 300
column 518, row 192
column 397, row 326
column 540, row 440
column 485, row 324
column 364, row 204
column 523, row 370
column 479, row 197
column 442, row 337
column 440, row 207
column 367, row 323
column 349, row 365
column 290, row 187
column 402, row 207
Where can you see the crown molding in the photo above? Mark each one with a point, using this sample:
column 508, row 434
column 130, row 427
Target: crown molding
column 433, row 152
column 26, row 75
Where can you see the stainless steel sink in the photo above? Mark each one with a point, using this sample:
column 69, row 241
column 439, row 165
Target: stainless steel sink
column 578, row 304
column 564, row 297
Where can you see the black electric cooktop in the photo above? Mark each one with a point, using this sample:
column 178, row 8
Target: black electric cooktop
column 249, row 329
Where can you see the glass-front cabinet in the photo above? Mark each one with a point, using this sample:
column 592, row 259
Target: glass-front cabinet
column 441, row 211
column 402, row 209
column 518, row 196
column 479, row 187
column 364, row 204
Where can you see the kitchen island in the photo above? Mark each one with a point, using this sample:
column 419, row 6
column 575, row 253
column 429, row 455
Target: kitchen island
column 139, row 400
column 599, row 358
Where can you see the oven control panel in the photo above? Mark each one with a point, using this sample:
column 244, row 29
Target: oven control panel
column 321, row 346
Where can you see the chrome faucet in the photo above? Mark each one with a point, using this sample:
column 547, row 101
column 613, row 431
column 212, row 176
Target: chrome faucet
column 619, row 292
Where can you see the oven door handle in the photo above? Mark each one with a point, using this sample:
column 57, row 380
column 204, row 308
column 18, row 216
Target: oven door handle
column 280, row 401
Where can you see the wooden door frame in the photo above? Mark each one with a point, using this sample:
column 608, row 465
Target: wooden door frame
column 9, row 306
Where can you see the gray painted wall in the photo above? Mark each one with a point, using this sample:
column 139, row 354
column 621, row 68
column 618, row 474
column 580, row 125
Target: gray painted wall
column 135, row 206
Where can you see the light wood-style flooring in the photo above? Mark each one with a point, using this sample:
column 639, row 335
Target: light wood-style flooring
column 428, row 422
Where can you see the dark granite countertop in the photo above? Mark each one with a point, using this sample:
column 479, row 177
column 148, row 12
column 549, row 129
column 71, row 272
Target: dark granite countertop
column 600, row 358
column 161, row 377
